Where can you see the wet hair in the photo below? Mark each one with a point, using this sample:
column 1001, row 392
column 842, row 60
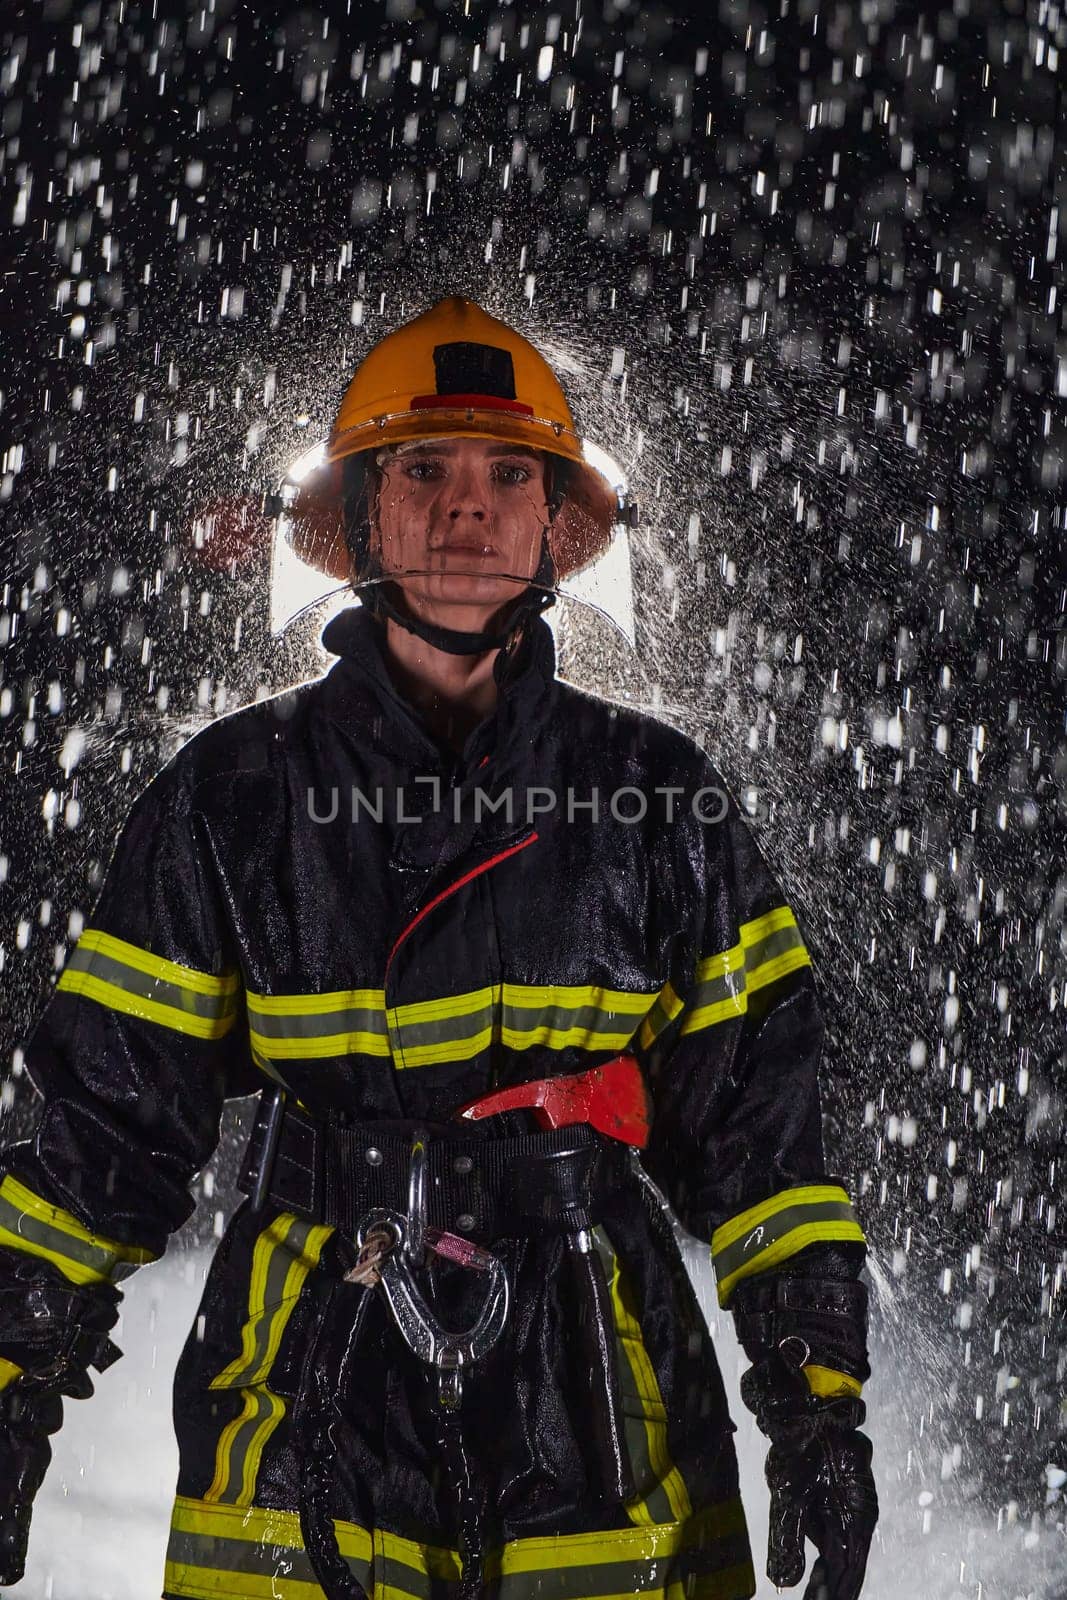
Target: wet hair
column 359, row 488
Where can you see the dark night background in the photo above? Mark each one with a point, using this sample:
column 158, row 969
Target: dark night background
column 801, row 273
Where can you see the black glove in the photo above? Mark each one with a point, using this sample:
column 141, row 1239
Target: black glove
column 24, row 1455
column 819, row 1474
column 53, row 1332
column 819, row 1465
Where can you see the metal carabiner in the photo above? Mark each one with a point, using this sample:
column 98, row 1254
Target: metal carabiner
column 448, row 1352
column 415, row 1237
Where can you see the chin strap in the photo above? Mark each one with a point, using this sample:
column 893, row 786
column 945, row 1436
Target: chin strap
column 456, row 641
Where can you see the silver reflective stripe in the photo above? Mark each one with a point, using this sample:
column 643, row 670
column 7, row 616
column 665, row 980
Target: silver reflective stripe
column 133, row 981
column 316, row 1024
column 451, row 1028
column 193, row 1554
column 35, row 1226
column 777, row 1228
column 768, row 1233
column 260, row 1553
column 768, row 947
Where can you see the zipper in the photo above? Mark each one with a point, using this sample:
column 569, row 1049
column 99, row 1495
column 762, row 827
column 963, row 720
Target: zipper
column 450, row 889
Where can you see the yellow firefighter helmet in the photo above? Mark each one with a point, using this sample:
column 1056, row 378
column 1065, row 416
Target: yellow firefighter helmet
column 455, row 371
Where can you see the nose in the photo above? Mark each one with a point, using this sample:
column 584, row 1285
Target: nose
column 467, row 495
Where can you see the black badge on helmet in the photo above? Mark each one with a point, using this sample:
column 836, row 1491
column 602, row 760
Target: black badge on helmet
column 467, row 368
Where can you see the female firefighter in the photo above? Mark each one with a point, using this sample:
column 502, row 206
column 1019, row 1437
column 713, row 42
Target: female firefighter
column 496, row 1012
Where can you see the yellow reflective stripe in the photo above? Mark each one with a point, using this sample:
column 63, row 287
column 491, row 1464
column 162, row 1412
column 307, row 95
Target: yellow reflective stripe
column 768, row 971
column 770, row 922
column 284, row 1254
column 529, row 997
column 224, row 1454
column 320, row 1045
column 564, row 1038
column 532, row 997
column 8, row 1372
column 789, row 1245
column 719, row 966
column 458, row 1036
column 313, row 1026
column 763, row 1210
column 826, row 1382
column 777, row 1228
column 126, row 978
column 261, row 1525
column 718, row 971
column 424, row 1055
column 116, row 999
column 272, row 1410
column 38, row 1228
column 255, row 1554
column 733, row 1003
column 425, row 1032
column 282, row 1257
column 284, row 1005
column 553, row 1030
column 718, row 1011
column 449, row 1005
column 281, row 1529
column 654, row 1542
column 663, row 1012
column 197, row 1582
column 133, row 955
column 208, row 1583
column 653, row 1411
column 260, row 1414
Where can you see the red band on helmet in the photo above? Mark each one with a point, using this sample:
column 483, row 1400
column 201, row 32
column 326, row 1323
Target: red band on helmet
column 478, row 402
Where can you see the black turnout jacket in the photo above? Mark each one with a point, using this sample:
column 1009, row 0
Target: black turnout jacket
column 275, row 912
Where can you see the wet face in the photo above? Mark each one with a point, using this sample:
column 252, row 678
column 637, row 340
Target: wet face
column 462, row 512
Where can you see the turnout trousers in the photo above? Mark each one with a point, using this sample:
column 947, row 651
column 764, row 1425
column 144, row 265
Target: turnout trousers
column 550, row 1528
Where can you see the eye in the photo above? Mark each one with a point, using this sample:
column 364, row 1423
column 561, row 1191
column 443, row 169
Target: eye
column 422, row 471
column 513, row 472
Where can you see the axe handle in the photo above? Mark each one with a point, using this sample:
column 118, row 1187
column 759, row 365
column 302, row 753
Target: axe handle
column 607, row 1423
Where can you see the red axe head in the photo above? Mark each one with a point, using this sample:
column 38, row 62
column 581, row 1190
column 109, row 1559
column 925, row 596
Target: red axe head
column 611, row 1098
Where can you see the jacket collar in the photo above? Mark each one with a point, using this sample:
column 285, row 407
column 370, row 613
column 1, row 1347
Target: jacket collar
column 360, row 693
